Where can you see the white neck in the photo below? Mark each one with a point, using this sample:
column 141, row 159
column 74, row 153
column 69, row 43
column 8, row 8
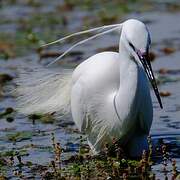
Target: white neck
column 125, row 97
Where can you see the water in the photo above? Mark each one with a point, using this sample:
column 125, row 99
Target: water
column 36, row 142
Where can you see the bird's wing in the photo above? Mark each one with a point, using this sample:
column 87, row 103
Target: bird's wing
column 93, row 81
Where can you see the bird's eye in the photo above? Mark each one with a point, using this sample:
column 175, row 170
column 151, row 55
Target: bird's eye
column 131, row 45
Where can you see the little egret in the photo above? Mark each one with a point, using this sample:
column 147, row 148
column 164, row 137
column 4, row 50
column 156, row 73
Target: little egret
column 108, row 94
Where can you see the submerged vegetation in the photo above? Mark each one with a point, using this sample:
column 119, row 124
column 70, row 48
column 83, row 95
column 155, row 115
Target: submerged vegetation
column 111, row 163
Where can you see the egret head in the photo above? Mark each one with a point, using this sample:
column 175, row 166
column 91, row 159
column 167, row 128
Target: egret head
column 136, row 39
column 136, row 35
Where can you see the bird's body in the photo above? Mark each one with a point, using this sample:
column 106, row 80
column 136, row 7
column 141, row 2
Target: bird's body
column 103, row 100
column 109, row 92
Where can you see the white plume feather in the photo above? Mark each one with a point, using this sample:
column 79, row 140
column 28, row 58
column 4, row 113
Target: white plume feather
column 82, row 32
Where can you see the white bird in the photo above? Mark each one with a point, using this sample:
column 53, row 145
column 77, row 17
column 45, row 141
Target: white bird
column 108, row 94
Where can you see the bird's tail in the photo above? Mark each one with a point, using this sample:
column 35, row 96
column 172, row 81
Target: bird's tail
column 44, row 91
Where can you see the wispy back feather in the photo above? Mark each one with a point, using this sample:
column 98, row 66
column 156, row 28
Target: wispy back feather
column 44, row 91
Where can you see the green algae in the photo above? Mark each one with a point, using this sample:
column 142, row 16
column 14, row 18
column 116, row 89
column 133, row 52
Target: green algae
column 19, row 136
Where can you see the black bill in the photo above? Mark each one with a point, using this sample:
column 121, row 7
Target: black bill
column 148, row 69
